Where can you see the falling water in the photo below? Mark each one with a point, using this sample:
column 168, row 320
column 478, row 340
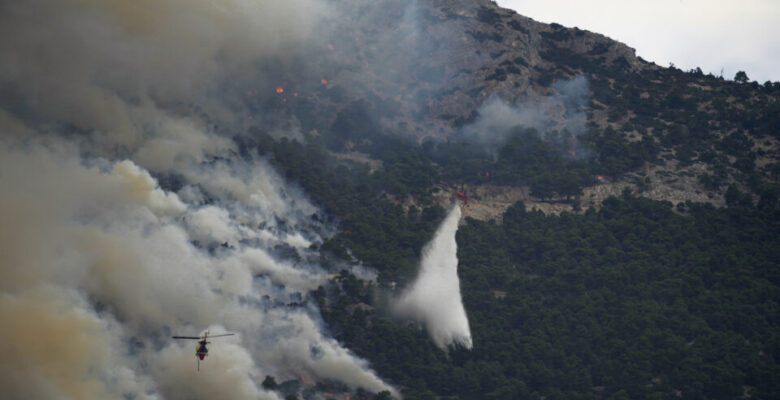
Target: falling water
column 434, row 298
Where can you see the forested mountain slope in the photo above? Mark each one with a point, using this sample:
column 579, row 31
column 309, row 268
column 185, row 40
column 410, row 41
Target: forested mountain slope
column 651, row 273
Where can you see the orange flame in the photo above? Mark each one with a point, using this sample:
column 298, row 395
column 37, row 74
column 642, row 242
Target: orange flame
column 330, row 46
column 279, row 90
column 324, row 81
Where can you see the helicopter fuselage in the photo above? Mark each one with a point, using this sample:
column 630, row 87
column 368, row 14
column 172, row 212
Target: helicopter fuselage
column 201, row 351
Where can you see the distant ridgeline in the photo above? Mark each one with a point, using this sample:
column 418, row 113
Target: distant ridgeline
column 471, row 93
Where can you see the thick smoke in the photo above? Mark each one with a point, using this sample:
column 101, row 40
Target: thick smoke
column 562, row 111
column 434, row 297
column 100, row 263
column 155, row 81
column 106, row 258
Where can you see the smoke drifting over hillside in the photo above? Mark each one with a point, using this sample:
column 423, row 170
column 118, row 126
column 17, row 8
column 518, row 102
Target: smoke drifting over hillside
column 100, row 263
column 561, row 111
column 434, row 297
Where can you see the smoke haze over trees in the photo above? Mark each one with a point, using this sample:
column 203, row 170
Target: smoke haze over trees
column 276, row 169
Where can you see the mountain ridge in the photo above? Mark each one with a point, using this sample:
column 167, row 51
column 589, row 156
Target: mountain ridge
column 443, row 81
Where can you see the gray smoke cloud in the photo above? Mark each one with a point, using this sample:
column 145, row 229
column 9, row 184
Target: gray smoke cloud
column 564, row 110
column 434, row 298
column 104, row 255
column 100, row 263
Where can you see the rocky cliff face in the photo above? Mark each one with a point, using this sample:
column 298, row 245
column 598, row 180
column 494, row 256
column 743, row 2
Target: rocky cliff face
column 429, row 65
column 431, row 70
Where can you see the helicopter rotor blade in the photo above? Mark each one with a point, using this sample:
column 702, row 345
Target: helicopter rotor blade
column 186, row 337
column 226, row 334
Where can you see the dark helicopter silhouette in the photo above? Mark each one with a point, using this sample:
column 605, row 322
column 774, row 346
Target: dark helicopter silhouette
column 200, row 350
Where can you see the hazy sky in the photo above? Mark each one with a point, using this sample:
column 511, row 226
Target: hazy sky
column 731, row 35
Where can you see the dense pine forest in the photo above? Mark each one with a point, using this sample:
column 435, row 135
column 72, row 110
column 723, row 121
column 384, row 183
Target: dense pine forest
column 632, row 301
column 628, row 299
column 638, row 299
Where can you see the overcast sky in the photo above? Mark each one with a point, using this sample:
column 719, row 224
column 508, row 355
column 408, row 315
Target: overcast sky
column 731, row 35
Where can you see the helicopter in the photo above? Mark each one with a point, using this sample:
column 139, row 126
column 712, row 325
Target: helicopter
column 201, row 351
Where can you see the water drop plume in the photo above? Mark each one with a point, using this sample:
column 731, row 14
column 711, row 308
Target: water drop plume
column 434, row 298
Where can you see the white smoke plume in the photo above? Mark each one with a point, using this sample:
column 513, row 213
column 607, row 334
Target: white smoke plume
column 434, row 297
column 101, row 257
column 100, row 264
column 561, row 111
